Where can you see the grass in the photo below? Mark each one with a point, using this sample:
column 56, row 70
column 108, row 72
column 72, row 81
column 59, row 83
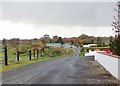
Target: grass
column 21, row 63
column 101, row 48
column 83, row 50
column 0, row 52
column 25, row 59
column 82, row 54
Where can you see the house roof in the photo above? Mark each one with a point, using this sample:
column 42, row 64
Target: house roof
column 53, row 44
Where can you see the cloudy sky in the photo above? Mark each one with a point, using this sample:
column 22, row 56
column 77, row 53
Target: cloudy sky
column 66, row 19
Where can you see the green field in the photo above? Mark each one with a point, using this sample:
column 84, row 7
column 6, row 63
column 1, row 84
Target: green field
column 24, row 57
column 1, row 54
column 21, row 63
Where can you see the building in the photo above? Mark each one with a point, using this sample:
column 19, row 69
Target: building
column 54, row 45
column 67, row 45
column 90, row 45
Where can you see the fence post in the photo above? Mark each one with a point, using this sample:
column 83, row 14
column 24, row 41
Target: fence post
column 5, row 55
column 40, row 52
column 5, row 51
column 43, row 50
column 18, row 53
column 34, row 53
column 37, row 53
column 29, row 54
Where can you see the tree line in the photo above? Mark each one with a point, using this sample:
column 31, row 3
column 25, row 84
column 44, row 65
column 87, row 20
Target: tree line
column 77, row 41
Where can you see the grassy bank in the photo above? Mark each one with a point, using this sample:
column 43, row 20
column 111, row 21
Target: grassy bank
column 21, row 63
column 24, row 58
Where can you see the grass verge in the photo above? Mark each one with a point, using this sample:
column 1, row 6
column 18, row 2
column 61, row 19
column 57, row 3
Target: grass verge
column 21, row 63
column 25, row 62
column 24, row 58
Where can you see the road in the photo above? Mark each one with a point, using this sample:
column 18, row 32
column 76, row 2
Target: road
column 69, row 70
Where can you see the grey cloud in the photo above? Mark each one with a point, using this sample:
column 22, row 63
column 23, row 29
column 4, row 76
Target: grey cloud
column 60, row 13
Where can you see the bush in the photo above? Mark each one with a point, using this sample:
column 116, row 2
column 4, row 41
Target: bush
column 82, row 49
column 115, row 47
column 93, row 48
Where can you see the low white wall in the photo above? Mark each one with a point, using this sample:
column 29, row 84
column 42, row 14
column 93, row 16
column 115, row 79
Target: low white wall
column 108, row 62
column 90, row 53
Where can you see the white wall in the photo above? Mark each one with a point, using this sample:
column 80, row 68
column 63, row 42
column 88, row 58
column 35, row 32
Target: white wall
column 108, row 62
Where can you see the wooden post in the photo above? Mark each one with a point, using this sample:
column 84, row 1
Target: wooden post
column 5, row 51
column 29, row 54
column 18, row 53
column 5, row 55
column 43, row 50
column 40, row 52
column 34, row 53
column 37, row 53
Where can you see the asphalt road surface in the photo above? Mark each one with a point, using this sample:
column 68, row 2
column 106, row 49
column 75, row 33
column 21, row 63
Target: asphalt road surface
column 69, row 70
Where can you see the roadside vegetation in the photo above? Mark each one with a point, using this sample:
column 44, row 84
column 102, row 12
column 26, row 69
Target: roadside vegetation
column 115, row 43
column 48, row 54
column 86, row 49
column 41, row 51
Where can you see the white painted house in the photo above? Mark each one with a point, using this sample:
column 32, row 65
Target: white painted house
column 67, row 45
column 54, row 45
column 90, row 45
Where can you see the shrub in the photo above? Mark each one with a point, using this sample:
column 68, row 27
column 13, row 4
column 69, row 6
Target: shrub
column 115, row 47
column 115, row 44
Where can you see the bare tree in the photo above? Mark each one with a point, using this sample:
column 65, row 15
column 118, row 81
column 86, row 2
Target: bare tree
column 115, row 44
column 116, row 22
